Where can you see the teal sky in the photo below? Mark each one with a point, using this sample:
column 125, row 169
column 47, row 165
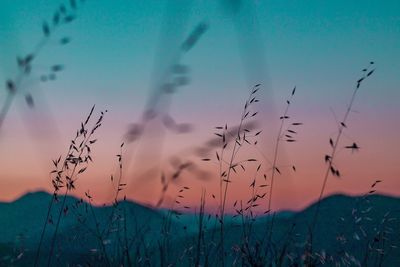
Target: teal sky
column 120, row 48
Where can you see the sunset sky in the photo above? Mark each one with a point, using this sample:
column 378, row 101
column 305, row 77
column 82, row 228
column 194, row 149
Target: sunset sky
column 118, row 57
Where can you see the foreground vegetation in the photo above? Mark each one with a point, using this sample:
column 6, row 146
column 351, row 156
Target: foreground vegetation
column 335, row 231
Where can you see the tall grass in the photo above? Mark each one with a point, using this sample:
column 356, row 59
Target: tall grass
column 331, row 168
column 329, row 159
column 66, row 172
column 225, row 175
column 223, row 239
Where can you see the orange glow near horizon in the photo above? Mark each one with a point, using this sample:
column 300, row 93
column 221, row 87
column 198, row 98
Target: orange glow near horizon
column 27, row 163
column 292, row 191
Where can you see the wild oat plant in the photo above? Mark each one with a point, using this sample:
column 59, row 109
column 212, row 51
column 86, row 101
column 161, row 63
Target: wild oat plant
column 335, row 231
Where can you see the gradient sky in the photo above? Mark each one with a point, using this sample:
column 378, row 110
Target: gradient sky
column 118, row 55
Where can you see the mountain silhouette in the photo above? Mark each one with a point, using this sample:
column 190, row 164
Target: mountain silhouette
column 345, row 224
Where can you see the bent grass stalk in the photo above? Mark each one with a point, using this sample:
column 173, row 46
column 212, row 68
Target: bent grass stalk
column 227, row 178
column 62, row 16
column 70, row 179
column 58, row 184
column 335, row 144
column 330, row 159
column 275, row 169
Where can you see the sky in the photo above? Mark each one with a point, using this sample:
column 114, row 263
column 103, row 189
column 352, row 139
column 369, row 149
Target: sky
column 118, row 59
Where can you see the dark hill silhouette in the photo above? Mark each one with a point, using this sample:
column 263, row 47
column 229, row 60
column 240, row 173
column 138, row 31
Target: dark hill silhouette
column 345, row 224
column 338, row 229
